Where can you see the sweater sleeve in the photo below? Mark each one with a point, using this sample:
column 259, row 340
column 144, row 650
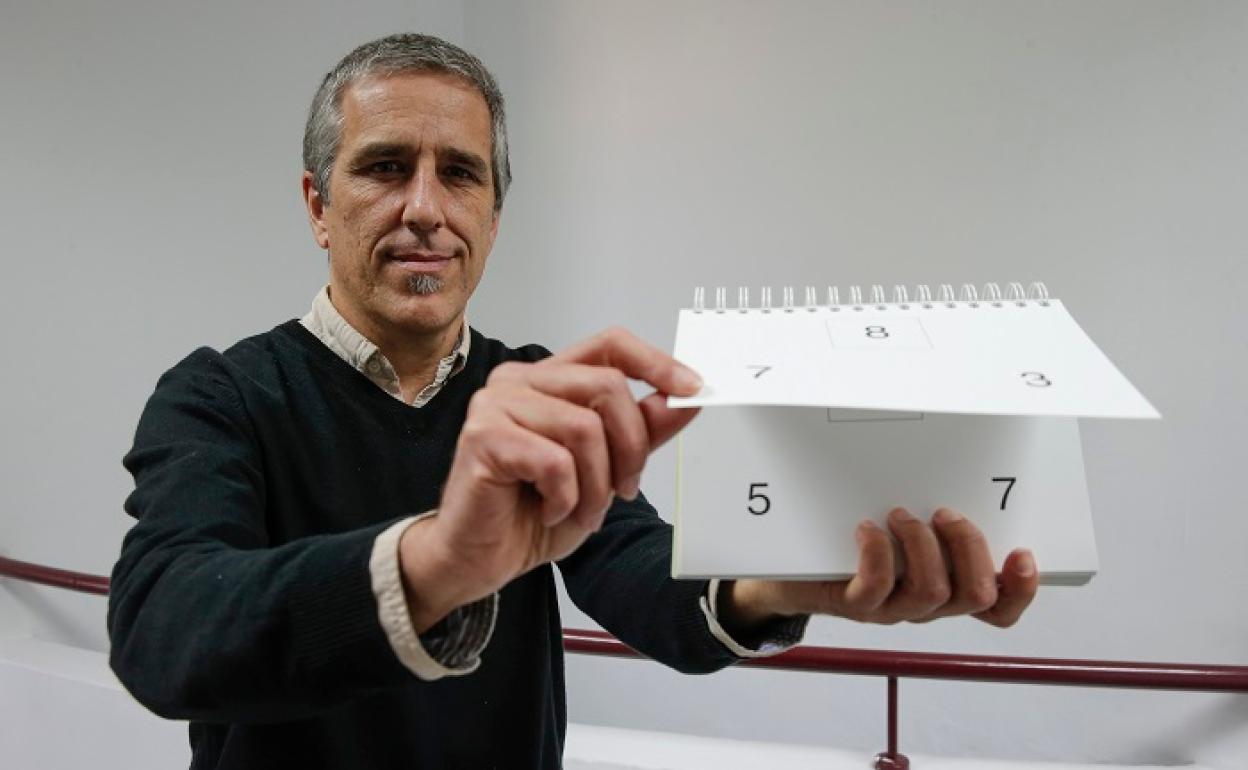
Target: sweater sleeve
column 210, row 621
column 621, row 577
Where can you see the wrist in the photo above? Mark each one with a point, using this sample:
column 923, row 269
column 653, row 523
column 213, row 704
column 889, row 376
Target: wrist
column 433, row 583
column 748, row 604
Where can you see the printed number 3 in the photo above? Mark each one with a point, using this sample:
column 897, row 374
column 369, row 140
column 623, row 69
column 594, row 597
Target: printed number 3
column 1036, row 379
column 758, row 495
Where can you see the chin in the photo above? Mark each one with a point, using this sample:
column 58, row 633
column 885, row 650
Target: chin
column 424, row 314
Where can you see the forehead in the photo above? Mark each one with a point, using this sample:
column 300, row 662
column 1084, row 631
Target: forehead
column 417, row 108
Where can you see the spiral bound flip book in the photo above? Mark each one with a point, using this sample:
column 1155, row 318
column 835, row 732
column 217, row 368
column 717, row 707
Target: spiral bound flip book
column 821, row 414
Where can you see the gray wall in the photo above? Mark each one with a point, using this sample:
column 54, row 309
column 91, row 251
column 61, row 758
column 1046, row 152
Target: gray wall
column 150, row 205
column 150, row 153
column 1100, row 147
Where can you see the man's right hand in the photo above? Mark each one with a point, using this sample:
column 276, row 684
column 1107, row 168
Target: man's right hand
column 544, row 450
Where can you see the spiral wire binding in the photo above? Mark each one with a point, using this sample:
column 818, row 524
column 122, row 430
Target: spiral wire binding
column 900, row 297
column 1036, row 293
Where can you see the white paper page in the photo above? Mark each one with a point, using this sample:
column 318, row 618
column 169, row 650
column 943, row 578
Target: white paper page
column 972, row 358
column 777, row 491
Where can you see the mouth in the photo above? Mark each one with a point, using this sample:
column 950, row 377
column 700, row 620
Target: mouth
column 421, row 261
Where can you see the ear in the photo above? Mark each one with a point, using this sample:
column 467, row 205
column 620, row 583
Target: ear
column 316, row 211
column 494, row 227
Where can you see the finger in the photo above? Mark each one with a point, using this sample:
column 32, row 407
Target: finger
column 661, row 421
column 507, row 453
column 974, row 577
column 559, row 540
column 925, row 586
column 605, row 390
column 870, row 586
column 636, row 358
column 580, row 431
column 1019, row 581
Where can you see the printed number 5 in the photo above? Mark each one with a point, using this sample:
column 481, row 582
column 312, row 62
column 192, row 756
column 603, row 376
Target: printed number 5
column 758, row 495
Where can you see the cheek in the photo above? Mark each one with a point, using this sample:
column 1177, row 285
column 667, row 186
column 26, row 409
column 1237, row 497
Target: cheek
column 349, row 252
column 359, row 228
column 482, row 228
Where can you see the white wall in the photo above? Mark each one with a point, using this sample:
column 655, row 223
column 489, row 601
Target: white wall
column 1100, row 147
column 151, row 155
column 150, row 205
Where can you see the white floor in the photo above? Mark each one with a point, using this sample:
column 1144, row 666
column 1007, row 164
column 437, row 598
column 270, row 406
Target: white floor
column 61, row 707
column 589, row 747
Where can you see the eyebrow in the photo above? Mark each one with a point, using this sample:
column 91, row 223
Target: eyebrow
column 379, row 150
column 473, row 161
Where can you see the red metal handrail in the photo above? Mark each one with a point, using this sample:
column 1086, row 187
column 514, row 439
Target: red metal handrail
column 843, row 660
column 51, row 576
column 980, row 668
column 839, row 660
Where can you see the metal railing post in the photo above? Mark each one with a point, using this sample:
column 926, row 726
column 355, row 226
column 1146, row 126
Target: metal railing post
column 892, row 759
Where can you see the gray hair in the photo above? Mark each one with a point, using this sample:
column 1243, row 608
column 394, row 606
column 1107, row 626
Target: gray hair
column 390, row 56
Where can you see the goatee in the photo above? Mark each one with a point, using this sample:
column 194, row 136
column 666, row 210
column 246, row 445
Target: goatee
column 424, row 284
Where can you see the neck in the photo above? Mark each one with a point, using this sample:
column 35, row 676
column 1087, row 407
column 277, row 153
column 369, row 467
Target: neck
column 415, row 358
column 413, row 354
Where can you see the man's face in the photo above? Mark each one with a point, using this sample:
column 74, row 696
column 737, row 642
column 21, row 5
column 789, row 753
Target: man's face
column 410, row 219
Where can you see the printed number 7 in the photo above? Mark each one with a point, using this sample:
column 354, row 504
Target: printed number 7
column 1008, row 487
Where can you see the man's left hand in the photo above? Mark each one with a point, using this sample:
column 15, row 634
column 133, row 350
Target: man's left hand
column 948, row 571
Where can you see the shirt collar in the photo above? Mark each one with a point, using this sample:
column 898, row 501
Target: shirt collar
column 328, row 325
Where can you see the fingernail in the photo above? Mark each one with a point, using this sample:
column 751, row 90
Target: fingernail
column 947, row 516
column 900, row 516
column 1026, row 564
column 863, row 530
column 551, row 518
column 688, row 379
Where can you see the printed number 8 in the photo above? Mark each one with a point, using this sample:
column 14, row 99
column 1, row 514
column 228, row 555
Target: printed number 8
column 877, row 332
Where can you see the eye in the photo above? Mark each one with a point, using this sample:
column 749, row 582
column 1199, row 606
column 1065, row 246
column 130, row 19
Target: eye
column 460, row 172
column 386, row 167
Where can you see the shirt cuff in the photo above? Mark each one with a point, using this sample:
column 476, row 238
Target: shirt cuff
column 775, row 638
column 453, row 645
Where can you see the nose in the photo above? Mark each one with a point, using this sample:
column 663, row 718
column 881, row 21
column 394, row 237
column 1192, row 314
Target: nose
column 422, row 204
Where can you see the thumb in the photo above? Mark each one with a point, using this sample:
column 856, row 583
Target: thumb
column 663, row 422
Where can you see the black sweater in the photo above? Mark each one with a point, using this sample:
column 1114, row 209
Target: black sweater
column 242, row 598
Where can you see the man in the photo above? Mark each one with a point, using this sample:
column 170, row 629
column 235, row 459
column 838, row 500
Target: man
column 277, row 589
